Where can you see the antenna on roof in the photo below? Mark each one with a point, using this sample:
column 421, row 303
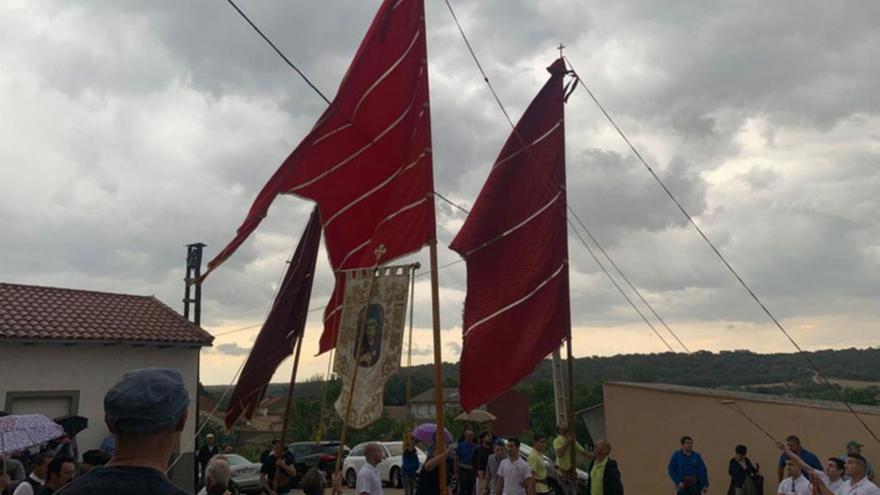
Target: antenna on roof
column 193, row 272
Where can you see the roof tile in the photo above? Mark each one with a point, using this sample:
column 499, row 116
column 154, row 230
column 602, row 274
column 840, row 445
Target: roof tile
column 50, row 313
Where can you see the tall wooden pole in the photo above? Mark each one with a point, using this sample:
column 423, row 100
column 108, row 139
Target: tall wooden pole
column 572, row 449
column 440, row 445
column 412, row 300
column 335, row 323
column 288, row 406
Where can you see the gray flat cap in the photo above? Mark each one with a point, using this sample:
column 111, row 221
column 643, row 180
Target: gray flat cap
column 146, row 401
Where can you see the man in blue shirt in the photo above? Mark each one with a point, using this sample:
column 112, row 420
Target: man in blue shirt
column 794, row 443
column 687, row 470
column 464, row 463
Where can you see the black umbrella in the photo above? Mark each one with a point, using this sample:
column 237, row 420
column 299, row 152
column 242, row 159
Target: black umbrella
column 72, row 424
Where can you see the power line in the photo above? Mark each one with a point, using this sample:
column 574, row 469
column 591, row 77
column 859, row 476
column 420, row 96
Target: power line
column 720, row 256
column 242, row 329
column 526, row 148
column 638, row 155
column 574, row 214
column 459, row 207
column 278, row 51
column 452, row 203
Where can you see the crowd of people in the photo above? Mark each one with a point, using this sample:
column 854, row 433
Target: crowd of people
column 489, row 465
column 145, row 412
column 799, row 471
column 52, row 466
column 147, row 409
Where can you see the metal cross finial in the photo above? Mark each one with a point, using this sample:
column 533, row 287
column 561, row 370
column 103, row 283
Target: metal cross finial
column 561, row 47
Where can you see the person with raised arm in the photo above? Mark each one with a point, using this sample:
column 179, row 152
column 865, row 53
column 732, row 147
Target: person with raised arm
column 831, row 476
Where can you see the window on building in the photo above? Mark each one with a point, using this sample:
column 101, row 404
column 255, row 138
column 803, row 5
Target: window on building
column 51, row 404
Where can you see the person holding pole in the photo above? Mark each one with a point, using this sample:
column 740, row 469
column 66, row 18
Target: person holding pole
column 429, row 476
column 831, row 476
column 562, row 445
column 278, row 471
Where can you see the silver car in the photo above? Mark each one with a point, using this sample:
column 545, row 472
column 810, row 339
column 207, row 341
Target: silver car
column 244, row 473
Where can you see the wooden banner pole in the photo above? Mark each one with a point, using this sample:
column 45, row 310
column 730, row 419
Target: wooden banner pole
column 288, row 406
column 440, row 445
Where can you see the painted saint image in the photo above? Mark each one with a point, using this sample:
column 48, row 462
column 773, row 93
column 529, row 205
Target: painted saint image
column 372, row 317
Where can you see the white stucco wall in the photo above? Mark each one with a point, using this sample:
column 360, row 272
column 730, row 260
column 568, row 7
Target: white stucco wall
column 92, row 369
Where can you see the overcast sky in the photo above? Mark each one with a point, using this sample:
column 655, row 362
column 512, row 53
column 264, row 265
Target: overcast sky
column 131, row 128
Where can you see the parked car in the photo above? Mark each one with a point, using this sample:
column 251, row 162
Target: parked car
column 244, row 473
column 390, row 470
column 321, row 454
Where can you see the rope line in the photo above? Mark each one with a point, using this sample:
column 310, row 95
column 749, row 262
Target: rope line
column 278, row 51
column 728, row 402
column 577, row 218
column 631, row 286
column 721, row 257
column 452, row 203
column 527, row 148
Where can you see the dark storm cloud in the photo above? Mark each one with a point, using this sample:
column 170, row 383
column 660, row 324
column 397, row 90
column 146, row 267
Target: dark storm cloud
column 133, row 128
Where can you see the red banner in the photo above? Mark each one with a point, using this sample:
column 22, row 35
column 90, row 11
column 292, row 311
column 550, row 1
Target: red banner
column 514, row 242
column 285, row 322
column 367, row 161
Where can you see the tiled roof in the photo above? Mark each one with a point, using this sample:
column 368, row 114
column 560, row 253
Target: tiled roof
column 450, row 395
column 33, row 313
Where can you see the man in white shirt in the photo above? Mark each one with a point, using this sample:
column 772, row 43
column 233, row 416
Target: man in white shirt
column 32, row 484
column 832, row 476
column 514, row 474
column 796, row 483
column 858, row 484
column 368, row 480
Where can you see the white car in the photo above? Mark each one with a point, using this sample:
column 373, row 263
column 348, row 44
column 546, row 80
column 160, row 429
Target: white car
column 244, row 473
column 390, row 469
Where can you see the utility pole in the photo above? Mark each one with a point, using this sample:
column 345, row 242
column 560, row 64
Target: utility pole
column 560, row 389
column 192, row 294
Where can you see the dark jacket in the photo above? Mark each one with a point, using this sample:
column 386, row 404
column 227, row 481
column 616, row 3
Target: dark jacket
column 738, row 475
column 611, row 483
column 205, row 454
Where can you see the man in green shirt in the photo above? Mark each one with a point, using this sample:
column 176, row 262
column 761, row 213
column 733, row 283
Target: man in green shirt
column 604, row 474
column 562, row 446
column 536, row 464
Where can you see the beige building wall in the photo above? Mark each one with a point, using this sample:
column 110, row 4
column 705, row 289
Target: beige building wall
column 645, row 421
column 88, row 371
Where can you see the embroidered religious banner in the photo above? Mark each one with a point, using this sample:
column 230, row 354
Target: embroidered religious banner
column 380, row 324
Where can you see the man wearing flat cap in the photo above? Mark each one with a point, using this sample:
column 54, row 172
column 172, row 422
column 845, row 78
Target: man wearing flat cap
column 146, row 412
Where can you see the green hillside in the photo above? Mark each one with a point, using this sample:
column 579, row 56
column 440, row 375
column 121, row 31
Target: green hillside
column 780, row 374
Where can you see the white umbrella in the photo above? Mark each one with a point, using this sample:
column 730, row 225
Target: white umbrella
column 477, row 416
column 23, row 431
